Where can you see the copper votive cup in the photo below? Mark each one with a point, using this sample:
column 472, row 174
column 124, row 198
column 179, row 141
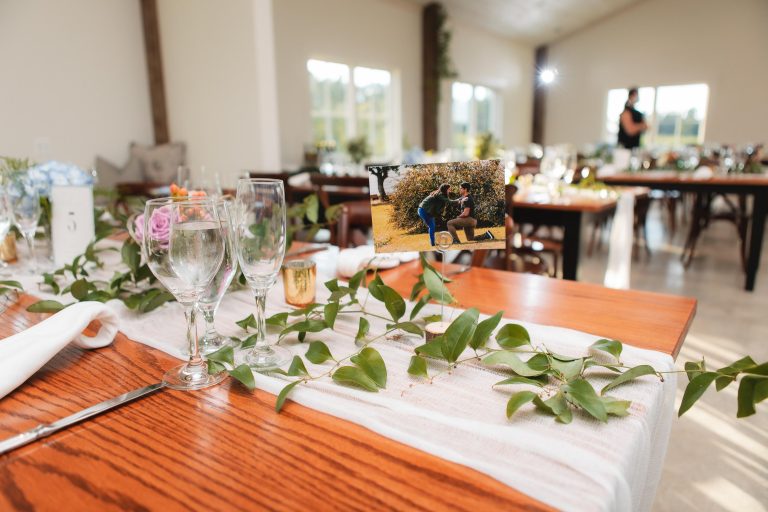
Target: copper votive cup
column 299, row 282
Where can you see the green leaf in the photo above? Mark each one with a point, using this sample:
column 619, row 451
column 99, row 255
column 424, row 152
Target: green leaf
column 513, row 336
column 312, row 204
column 418, row 287
column 694, row 390
column 616, row 407
column 80, row 288
column 339, row 294
column 354, row 376
column 589, row 363
column 737, row 367
column 374, row 288
column 284, row 394
column 752, row 389
column 694, row 369
column 436, row 287
column 297, row 367
column 131, row 255
column 418, row 367
column 419, row 306
column 223, row 355
column 362, row 329
column 332, row 212
column 13, row 284
column 613, row 347
column 332, row 285
column 761, row 369
column 459, row 333
column 318, row 352
column 393, row 302
column 244, row 375
column 46, row 306
column 355, row 280
column 410, row 327
column 517, row 365
column 215, row 367
column 310, row 325
column 538, row 381
column 567, row 370
column 432, row 349
column 151, row 302
column 556, row 406
column 277, row 320
column 432, row 318
column 329, row 313
column 250, row 341
column 247, row 322
column 50, row 280
column 632, row 373
column 519, row 399
column 484, row 330
column 580, row 392
column 371, row 362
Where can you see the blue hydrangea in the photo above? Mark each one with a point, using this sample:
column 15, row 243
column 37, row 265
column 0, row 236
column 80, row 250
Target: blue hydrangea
column 44, row 176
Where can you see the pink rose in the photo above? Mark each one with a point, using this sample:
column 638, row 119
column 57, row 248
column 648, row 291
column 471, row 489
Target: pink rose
column 159, row 226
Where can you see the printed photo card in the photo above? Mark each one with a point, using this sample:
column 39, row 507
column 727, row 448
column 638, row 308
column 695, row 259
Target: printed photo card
column 445, row 206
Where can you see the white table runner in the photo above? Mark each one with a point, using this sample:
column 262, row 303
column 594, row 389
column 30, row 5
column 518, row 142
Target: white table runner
column 585, row 465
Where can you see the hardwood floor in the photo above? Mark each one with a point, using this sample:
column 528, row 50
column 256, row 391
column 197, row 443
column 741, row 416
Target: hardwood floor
column 714, row 461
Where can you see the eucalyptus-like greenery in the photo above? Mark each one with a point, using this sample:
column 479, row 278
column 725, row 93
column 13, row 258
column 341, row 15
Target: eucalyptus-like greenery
column 557, row 384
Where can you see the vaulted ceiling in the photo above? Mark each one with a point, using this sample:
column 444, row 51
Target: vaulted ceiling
column 532, row 21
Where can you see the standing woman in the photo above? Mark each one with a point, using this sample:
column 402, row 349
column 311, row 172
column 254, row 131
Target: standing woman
column 631, row 122
column 431, row 207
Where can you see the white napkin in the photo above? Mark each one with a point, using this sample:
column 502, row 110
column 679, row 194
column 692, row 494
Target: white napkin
column 621, row 158
column 704, row 172
column 22, row 354
column 606, row 170
column 352, row 260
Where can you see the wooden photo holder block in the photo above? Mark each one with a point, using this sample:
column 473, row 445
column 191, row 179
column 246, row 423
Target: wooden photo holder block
column 435, row 329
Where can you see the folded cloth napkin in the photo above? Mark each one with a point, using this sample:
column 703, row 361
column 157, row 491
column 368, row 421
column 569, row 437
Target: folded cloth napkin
column 606, row 170
column 703, row 172
column 351, row 261
column 22, row 354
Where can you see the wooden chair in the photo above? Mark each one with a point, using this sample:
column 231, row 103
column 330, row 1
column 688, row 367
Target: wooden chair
column 352, row 225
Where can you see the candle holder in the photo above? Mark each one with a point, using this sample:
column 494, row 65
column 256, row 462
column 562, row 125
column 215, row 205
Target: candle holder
column 299, row 282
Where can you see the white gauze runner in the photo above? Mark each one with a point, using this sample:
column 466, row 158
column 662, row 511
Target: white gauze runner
column 586, row 465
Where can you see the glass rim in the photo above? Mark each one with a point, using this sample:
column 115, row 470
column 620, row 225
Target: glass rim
column 299, row 264
column 259, row 180
column 189, row 200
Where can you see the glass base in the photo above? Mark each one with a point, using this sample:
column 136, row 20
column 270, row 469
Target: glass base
column 267, row 358
column 214, row 342
column 185, row 378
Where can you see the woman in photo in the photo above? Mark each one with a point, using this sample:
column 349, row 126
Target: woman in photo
column 432, row 206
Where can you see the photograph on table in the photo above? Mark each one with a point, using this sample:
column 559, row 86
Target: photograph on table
column 411, row 203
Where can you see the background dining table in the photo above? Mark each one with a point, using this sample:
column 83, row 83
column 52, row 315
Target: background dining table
column 225, row 447
column 755, row 185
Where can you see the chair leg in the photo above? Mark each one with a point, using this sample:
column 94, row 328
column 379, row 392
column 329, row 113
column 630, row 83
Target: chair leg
column 695, row 231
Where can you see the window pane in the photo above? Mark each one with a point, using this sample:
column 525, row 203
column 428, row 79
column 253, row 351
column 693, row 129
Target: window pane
column 484, row 104
column 372, row 103
column 461, row 96
column 680, row 111
column 339, row 131
column 328, row 86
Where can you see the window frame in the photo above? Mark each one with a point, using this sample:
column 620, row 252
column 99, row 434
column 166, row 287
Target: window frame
column 391, row 117
column 495, row 121
column 650, row 137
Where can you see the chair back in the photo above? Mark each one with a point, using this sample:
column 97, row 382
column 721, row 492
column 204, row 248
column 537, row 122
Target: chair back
column 354, row 215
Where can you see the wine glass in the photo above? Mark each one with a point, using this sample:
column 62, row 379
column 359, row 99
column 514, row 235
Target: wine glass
column 6, row 219
column 183, row 246
column 211, row 297
column 25, row 206
column 260, row 235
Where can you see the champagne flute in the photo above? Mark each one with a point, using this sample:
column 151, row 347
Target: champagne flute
column 25, row 205
column 183, row 246
column 260, row 235
column 6, row 219
column 211, row 297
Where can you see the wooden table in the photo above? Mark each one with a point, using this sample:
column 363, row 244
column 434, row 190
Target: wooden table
column 226, row 448
column 755, row 185
column 566, row 212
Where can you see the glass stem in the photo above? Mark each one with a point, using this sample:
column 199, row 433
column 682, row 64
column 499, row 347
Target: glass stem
column 31, row 246
column 195, row 361
column 442, row 290
column 210, row 327
column 261, row 331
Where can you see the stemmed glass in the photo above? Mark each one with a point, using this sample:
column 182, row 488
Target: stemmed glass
column 6, row 218
column 183, row 246
column 25, row 205
column 211, row 297
column 260, row 235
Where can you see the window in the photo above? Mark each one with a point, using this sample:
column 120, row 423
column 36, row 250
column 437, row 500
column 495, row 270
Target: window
column 676, row 114
column 473, row 113
column 349, row 102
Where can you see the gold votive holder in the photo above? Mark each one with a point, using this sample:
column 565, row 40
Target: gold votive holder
column 8, row 248
column 435, row 329
column 299, row 281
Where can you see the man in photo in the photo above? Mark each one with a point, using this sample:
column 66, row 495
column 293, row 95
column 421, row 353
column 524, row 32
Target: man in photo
column 466, row 219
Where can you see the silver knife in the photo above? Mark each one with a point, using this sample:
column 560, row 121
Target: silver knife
column 47, row 429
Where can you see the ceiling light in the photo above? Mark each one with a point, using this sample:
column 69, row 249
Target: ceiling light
column 547, row 75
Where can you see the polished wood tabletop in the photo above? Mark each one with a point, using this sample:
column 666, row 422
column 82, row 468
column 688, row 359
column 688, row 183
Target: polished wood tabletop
column 659, row 177
column 226, row 448
column 579, row 202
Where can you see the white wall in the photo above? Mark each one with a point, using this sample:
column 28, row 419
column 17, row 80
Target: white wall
column 387, row 34
column 483, row 58
column 213, row 87
column 73, row 80
column 664, row 42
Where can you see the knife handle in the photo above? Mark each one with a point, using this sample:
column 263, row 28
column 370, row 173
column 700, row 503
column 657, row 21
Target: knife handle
column 27, row 437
